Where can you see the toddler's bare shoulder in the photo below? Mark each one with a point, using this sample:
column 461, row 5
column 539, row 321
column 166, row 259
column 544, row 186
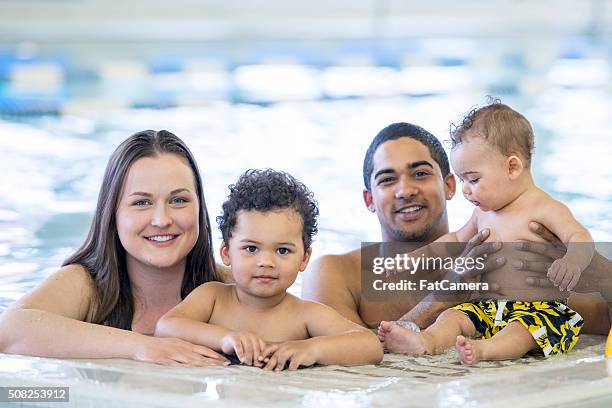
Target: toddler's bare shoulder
column 310, row 306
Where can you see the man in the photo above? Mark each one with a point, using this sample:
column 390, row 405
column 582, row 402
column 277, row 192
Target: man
column 407, row 183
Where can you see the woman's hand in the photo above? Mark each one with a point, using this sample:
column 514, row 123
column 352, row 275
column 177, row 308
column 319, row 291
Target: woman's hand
column 247, row 346
column 175, row 352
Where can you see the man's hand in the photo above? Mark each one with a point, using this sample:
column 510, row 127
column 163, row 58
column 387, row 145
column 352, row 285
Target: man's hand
column 553, row 249
column 476, row 248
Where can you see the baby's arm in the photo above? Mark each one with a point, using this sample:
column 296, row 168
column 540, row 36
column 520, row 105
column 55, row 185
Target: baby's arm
column 189, row 321
column 333, row 340
column 565, row 272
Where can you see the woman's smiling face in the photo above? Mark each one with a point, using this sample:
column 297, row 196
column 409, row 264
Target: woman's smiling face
column 157, row 213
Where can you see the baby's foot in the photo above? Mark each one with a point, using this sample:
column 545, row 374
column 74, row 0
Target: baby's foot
column 400, row 340
column 383, row 330
column 469, row 351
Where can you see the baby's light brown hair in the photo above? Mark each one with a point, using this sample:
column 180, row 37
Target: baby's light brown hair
column 501, row 126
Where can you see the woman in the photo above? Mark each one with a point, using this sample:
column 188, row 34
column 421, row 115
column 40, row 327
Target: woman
column 148, row 246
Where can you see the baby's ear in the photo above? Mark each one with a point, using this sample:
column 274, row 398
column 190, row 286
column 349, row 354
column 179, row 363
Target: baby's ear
column 224, row 252
column 515, row 167
column 305, row 260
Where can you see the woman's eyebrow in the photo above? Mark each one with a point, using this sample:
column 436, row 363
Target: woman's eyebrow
column 142, row 193
column 179, row 190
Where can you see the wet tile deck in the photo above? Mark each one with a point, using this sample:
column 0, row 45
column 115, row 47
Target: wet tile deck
column 578, row 379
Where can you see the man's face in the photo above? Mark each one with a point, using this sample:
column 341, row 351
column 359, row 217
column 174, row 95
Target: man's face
column 408, row 192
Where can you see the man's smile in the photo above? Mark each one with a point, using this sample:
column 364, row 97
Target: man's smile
column 409, row 212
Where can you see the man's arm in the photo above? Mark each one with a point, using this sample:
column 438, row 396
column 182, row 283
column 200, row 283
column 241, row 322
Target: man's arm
column 597, row 312
column 328, row 281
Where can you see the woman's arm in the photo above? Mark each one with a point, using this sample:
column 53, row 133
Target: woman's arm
column 49, row 322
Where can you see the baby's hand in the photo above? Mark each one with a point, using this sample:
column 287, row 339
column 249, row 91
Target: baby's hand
column 297, row 353
column 564, row 274
column 247, row 346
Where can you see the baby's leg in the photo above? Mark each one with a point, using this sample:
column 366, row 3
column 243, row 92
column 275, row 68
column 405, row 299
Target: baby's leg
column 512, row 342
column 435, row 340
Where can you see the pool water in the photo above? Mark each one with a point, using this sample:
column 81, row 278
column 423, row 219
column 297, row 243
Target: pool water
column 52, row 168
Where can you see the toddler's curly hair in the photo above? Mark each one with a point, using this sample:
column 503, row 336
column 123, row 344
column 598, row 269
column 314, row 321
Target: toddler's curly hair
column 269, row 190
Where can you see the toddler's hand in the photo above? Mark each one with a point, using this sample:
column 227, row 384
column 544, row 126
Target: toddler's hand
column 247, row 346
column 297, row 353
column 564, row 274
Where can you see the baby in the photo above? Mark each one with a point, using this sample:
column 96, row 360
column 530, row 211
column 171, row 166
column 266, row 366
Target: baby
column 268, row 223
column 491, row 155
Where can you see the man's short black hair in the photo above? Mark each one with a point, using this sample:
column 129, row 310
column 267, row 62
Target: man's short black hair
column 269, row 190
column 397, row 131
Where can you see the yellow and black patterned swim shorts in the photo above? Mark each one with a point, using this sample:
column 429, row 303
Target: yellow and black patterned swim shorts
column 554, row 326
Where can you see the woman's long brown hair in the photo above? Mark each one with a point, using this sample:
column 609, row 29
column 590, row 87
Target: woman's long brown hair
column 102, row 254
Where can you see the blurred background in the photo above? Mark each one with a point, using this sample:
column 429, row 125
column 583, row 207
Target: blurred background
column 298, row 86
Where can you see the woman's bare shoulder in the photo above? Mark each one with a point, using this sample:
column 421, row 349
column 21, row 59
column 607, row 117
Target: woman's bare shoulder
column 75, row 272
column 68, row 292
column 224, row 273
column 214, row 285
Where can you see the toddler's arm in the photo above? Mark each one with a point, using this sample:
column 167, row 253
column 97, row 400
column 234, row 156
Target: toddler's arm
column 334, row 340
column 189, row 321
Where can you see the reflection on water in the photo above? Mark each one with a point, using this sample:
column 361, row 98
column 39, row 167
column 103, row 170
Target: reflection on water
column 314, row 122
